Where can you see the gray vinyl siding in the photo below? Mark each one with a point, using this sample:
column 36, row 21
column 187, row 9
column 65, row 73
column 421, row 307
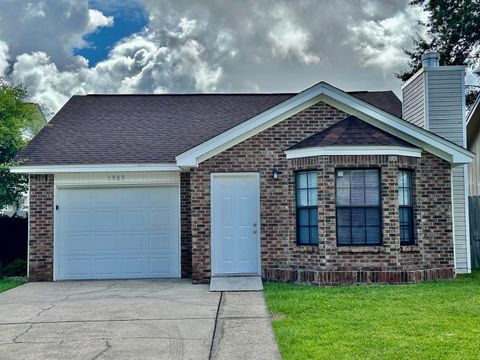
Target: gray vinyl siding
column 459, row 217
column 414, row 101
column 445, row 116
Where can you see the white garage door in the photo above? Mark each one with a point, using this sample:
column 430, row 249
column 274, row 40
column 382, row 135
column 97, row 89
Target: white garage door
column 106, row 233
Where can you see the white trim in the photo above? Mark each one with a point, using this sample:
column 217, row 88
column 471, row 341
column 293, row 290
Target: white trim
column 474, row 107
column 56, row 250
column 445, row 68
column 426, row 103
column 453, row 223
column 57, row 169
column 28, row 229
column 467, row 220
column 179, row 229
column 212, row 227
column 412, row 78
column 338, row 98
column 353, row 150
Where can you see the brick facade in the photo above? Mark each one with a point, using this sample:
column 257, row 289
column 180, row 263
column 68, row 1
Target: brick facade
column 282, row 258
column 41, row 228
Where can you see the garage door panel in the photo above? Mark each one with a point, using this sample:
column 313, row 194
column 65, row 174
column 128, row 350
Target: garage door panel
column 133, row 265
column 133, row 217
column 105, row 197
column 105, row 218
column 76, row 243
column 159, row 265
column 163, row 218
column 104, row 242
column 105, row 266
column 77, row 219
column 78, row 198
column 134, row 242
column 117, row 233
column 76, row 267
column 161, row 241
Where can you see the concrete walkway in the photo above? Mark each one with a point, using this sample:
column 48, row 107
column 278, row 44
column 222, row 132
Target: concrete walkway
column 243, row 328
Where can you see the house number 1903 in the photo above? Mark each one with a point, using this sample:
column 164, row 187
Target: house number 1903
column 116, row 177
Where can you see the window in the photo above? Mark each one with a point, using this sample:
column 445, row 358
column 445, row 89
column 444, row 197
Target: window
column 307, row 208
column 405, row 201
column 358, row 207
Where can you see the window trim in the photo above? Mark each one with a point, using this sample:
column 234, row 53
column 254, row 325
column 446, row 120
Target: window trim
column 412, row 240
column 309, row 207
column 379, row 206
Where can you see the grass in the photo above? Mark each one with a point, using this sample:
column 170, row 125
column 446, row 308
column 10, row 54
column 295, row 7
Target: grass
column 10, row 283
column 432, row 320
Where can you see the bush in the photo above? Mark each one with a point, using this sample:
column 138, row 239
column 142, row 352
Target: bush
column 17, row 267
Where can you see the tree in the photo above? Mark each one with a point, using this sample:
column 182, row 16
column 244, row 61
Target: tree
column 452, row 30
column 19, row 121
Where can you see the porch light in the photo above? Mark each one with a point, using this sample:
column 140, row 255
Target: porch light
column 275, row 174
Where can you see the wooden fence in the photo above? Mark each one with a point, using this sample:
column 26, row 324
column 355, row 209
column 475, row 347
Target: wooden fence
column 474, row 204
column 13, row 238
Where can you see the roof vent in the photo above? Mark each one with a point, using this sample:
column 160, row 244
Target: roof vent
column 431, row 59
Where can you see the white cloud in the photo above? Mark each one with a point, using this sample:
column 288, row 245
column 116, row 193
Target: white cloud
column 380, row 42
column 289, row 39
column 139, row 64
column 96, row 19
column 3, row 57
column 55, row 27
column 33, row 10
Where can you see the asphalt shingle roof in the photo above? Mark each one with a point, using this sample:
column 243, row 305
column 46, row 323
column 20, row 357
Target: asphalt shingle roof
column 351, row 131
column 125, row 129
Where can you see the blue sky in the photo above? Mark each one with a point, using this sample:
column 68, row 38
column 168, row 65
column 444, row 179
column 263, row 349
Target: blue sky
column 127, row 20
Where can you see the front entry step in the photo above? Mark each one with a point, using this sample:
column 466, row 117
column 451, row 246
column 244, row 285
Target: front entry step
column 236, row 283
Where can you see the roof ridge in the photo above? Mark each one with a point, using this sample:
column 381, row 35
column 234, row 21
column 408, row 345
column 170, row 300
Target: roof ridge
column 191, row 94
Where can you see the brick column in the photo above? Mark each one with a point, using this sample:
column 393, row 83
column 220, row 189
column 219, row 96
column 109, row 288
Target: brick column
column 41, row 228
column 186, row 224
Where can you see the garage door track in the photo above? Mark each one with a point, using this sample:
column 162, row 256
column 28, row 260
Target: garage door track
column 123, row 319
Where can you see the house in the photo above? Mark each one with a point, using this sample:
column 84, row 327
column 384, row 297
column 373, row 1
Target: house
column 473, row 144
column 324, row 186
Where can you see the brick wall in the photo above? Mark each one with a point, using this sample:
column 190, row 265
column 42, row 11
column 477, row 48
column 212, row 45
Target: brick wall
column 186, row 231
column 279, row 252
column 41, row 228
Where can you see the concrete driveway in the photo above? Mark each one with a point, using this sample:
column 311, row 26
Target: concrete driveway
column 125, row 319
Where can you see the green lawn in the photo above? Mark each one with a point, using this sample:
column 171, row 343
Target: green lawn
column 434, row 320
column 9, row 283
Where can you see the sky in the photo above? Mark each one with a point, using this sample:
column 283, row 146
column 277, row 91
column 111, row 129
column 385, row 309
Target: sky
column 59, row 48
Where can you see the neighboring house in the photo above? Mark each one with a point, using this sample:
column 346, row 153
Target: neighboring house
column 473, row 144
column 20, row 210
column 323, row 186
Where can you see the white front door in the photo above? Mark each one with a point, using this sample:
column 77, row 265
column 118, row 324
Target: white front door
column 235, row 224
column 117, row 233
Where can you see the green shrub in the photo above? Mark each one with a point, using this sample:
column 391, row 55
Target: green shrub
column 17, row 267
